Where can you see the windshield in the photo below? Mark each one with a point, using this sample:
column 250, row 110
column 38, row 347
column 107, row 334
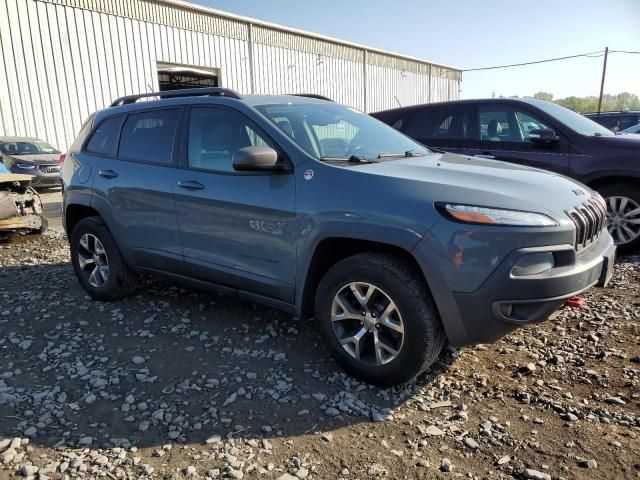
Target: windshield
column 332, row 131
column 26, row 148
column 576, row 122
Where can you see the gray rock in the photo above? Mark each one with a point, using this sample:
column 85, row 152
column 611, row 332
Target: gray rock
column 235, row 474
column 138, row 360
column 433, row 431
column 331, row 412
column 531, row 474
column 591, row 463
column 471, row 443
column 446, row 465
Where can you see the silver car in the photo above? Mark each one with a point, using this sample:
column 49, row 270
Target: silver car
column 30, row 156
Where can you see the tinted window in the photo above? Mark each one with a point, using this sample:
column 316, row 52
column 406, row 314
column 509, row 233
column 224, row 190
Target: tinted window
column 503, row 123
column 442, row 123
column 100, row 141
column 215, row 134
column 528, row 122
column 148, row 136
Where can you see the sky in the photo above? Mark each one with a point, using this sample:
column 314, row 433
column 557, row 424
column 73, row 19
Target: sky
column 479, row 33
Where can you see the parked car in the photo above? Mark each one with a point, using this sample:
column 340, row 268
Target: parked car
column 634, row 129
column 539, row 134
column 30, row 156
column 615, row 121
column 325, row 212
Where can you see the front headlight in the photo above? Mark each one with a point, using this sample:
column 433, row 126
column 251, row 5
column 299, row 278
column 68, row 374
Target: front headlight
column 496, row 216
column 25, row 166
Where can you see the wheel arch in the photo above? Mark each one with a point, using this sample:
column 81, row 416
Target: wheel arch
column 331, row 250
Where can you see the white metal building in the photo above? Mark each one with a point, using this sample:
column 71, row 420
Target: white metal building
column 63, row 59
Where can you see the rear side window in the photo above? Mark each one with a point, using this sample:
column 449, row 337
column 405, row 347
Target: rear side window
column 102, row 136
column 442, row 123
column 149, row 136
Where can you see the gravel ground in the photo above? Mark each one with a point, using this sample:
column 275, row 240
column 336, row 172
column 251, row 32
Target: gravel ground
column 178, row 383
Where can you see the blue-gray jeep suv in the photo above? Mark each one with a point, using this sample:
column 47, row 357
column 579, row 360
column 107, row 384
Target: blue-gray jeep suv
column 318, row 209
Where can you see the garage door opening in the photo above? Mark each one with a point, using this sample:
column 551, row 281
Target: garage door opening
column 175, row 77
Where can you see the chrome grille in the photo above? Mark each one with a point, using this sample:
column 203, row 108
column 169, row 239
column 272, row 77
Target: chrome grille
column 589, row 219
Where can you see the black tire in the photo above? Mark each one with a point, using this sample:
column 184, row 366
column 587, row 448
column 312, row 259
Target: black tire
column 120, row 281
column 424, row 335
column 631, row 192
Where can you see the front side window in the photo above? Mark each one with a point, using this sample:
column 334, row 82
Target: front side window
column 498, row 124
column 102, row 136
column 148, row 136
column 331, row 130
column 527, row 123
column 215, row 134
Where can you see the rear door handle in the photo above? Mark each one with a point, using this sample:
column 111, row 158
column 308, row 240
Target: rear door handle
column 190, row 185
column 107, row 173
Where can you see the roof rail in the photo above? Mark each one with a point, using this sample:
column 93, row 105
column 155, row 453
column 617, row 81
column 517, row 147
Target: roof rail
column 312, row 95
column 185, row 92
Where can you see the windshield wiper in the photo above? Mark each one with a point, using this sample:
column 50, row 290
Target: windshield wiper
column 407, row 154
column 351, row 159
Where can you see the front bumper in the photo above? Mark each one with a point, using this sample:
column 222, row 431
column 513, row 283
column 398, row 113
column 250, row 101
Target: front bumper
column 40, row 178
column 503, row 302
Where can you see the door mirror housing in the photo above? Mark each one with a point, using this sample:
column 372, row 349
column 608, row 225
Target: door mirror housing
column 542, row 136
column 256, row 159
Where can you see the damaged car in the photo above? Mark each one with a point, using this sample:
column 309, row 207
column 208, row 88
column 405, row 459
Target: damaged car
column 20, row 206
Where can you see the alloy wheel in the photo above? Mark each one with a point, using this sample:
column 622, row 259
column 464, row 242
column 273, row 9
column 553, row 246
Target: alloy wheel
column 93, row 260
column 623, row 219
column 367, row 323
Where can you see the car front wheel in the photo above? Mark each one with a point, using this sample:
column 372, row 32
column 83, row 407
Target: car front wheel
column 623, row 215
column 378, row 319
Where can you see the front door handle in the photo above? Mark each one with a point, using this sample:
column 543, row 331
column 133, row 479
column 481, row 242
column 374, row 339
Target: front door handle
column 190, row 185
column 107, row 173
column 486, row 155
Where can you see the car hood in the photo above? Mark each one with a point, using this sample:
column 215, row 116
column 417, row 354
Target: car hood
column 631, row 142
column 460, row 179
column 38, row 159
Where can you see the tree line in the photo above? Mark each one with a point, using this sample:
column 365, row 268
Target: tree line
column 619, row 102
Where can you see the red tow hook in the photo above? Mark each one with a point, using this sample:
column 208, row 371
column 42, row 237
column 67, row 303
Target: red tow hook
column 574, row 302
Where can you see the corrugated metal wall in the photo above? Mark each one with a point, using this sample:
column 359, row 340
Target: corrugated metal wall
column 63, row 59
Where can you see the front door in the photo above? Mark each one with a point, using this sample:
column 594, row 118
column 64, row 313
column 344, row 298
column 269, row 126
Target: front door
column 504, row 131
column 236, row 227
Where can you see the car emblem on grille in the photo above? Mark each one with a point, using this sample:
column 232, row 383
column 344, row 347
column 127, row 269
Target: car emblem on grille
column 578, row 192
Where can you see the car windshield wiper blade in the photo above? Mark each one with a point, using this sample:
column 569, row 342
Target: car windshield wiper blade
column 407, row 154
column 351, row 159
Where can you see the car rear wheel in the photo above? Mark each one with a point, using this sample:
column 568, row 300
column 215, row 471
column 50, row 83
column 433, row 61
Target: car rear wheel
column 378, row 319
column 623, row 215
column 98, row 263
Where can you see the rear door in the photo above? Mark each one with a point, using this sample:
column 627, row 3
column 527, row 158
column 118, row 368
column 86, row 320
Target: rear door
column 236, row 227
column 450, row 128
column 133, row 187
column 504, row 130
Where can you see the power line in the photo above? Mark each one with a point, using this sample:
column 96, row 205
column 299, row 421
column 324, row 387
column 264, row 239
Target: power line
column 597, row 54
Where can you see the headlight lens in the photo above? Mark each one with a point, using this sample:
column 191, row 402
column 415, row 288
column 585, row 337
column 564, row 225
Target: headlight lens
column 497, row 216
column 25, row 166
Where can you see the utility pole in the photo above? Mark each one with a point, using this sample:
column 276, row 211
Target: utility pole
column 604, row 72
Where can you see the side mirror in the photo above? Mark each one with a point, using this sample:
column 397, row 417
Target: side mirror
column 542, row 136
column 255, row 159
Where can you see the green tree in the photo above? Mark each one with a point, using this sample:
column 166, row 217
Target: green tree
column 543, row 96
